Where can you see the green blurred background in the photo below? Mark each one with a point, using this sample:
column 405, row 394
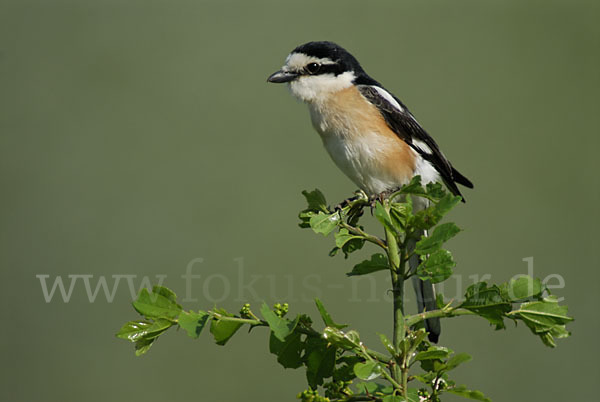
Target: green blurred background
column 137, row 136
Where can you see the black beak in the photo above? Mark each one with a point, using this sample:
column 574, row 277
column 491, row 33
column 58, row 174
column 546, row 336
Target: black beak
column 281, row 76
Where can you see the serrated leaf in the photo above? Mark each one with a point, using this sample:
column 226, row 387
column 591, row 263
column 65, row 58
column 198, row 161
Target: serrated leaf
column 378, row 262
column 462, row 390
column 368, row 370
column 289, row 352
column 437, row 267
column 521, row 288
column 435, row 190
column 343, row 236
column 316, row 200
column 414, row 187
column 441, row 234
column 193, row 322
column 281, row 327
column 223, row 330
column 546, row 312
column 165, row 292
column 324, row 223
column 487, row 302
column 445, row 204
column 156, row 305
column 545, row 318
column 327, row 320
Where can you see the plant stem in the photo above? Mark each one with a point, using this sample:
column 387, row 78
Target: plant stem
column 359, row 232
column 445, row 313
column 397, row 262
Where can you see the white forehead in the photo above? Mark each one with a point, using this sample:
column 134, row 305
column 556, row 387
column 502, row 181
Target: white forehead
column 297, row 61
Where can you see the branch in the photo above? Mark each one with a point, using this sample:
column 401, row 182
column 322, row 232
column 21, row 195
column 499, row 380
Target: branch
column 444, row 313
column 380, row 357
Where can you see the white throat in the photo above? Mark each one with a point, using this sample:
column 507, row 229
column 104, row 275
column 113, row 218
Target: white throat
column 313, row 88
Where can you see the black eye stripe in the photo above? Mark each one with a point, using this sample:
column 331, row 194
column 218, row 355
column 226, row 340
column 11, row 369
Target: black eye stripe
column 334, row 69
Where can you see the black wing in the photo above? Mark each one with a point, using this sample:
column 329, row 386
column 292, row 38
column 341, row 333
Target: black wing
column 402, row 122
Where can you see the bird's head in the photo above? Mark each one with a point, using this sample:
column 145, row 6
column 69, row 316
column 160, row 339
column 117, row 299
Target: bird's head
column 315, row 70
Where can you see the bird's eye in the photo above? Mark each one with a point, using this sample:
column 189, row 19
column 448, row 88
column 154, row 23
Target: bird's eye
column 313, row 68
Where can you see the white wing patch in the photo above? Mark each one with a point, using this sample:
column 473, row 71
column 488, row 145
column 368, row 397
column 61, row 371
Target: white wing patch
column 422, row 146
column 386, row 95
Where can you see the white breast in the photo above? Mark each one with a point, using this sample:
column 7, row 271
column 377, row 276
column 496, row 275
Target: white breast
column 358, row 149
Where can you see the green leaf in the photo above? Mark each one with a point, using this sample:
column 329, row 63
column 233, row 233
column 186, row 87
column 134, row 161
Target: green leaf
column 387, row 344
column 394, row 398
column 413, row 395
column 457, row 360
column 320, row 362
column 546, row 312
column 521, row 288
column 165, row 292
column 281, row 327
column 445, row 205
column 435, row 190
column 345, row 369
column 156, row 305
column 434, row 242
column 414, row 187
column 401, row 214
column 413, row 339
column 371, row 387
column 305, row 217
column 545, row 318
column 383, row 216
column 324, row 223
column 326, row 317
column 316, row 200
column 462, row 390
column 433, row 352
column 343, row 236
column 378, row 262
column 193, row 322
column 289, row 352
column 487, row 303
column 368, row 370
column 143, row 345
column 136, row 330
column 426, row 378
column 349, row 340
column 437, row 267
column 133, row 330
column 439, row 301
column 223, row 330
column 352, row 246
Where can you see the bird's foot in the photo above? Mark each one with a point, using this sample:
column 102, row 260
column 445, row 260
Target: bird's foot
column 382, row 196
column 357, row 200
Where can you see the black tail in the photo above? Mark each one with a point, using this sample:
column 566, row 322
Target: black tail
column 460, row 179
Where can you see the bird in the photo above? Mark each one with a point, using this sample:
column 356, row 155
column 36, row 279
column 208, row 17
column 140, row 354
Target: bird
column 369, row 134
